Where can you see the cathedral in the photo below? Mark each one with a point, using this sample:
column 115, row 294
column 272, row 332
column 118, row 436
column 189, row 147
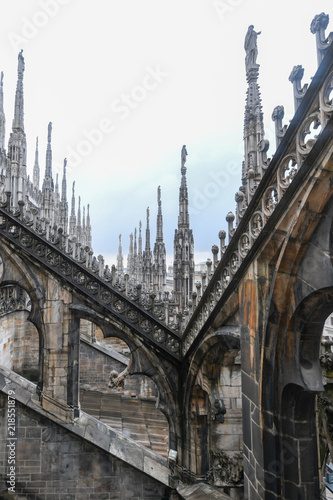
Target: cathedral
column 119, row 383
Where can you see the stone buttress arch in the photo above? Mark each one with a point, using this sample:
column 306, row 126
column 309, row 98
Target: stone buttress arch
column 299, row 299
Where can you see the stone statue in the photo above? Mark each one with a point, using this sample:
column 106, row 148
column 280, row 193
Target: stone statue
column 219, row 410
column 20, row 62
column 251, row 48
column 183, row 155
column 117, row 380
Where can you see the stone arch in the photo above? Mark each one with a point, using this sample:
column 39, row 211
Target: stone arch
column 18, row 273
column 297, row 285
column 303, row 382
column 143, row 361
column 19, row 337
column 207, row 397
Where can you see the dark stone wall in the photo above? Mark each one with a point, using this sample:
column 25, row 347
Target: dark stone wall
column 52, row 464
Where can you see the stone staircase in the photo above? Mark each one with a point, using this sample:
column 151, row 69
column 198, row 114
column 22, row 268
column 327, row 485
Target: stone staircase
column 138, row 419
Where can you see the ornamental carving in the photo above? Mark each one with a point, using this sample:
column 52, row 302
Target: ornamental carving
column 257, row 223
column 225, row 277
column 92, row 287
column 14, row 231
column 79, row 278
column 234, row 262
column 52, row 258
column 306, row 136
column 132, row 315
column 218, row 290
column 287, row 171
column 326, row 95
column 26, row 240
column 219, row 410
column 119, row 305
column 326, row 360
column 65, row 267
column 146, row 326
column 270, row 200
column 211, row 302
column 13, row 298
column 106, row 296
column 244, row 244
column 40, row 249
column 173, row 344
column 227, row 469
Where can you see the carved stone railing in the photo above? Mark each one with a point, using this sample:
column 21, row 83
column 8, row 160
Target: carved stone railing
column 89, row 284
column 313, row 114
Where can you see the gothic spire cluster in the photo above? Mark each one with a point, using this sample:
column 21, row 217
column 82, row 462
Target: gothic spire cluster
column 47, row 210
column 148, row 269
column 48, row 206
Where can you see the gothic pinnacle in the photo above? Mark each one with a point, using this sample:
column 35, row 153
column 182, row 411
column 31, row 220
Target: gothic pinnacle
column 18, row 121
column 48, row 167
column 64, row 183
column 73, row 200
column 159, row 224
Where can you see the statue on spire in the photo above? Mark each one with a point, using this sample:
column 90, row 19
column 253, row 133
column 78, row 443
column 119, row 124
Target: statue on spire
column 20, row 67
column 183, row 155
column 251, row 48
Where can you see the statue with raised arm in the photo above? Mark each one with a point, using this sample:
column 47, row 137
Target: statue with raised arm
column 183, row 155
column 20, row 67
column 251, row 48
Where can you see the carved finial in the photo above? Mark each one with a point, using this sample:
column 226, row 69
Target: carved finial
column 120, row 239
column 73, row 189
column 318, row 27
column 148, row 216
column 280, row 130
column 159, row 195
column 295, row 78
column 251, row 48
column 1, row 78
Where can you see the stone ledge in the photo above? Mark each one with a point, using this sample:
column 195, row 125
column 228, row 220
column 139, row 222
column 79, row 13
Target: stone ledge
column 90, row 429
column 201, row 491
column 106, row 350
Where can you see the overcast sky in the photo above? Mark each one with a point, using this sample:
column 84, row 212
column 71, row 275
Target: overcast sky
column 127, row 82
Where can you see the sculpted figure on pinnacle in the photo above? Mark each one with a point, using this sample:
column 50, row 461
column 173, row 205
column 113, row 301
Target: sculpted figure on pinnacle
column 251, row 48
